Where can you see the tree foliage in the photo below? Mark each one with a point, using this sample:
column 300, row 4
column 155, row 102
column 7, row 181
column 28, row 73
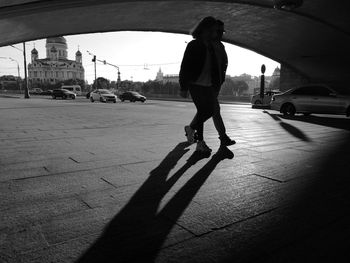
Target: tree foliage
column 275, row 83
column 233, row 87
column 102, row 83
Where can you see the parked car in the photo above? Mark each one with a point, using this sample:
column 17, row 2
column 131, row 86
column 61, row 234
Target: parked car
column 46, row 92
column 102, row 95
column 36, row 91
column 312, row 98
column 63, row 93
column 73, row 88
column 132, row 96
column 257, row 100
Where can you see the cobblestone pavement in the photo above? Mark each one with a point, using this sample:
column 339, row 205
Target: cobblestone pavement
column 93, row 182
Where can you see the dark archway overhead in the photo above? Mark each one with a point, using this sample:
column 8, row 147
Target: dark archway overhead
column 314, row 38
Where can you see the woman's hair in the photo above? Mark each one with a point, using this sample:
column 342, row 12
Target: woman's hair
column 204, row 24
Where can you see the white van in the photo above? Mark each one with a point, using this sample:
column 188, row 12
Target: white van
column 73, row 88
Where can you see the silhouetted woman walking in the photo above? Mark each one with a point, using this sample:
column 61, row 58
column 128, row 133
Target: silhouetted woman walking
column 202, row 74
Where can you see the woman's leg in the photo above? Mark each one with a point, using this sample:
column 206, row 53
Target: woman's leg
column 219, row 124
column 217, row 119
column 204, row 102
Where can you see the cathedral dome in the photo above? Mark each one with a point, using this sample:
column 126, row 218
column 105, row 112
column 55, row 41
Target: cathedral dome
column 60, row 40
column 78, row 53
column 34, row 51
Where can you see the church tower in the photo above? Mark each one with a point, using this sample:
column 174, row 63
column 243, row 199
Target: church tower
column 35, row 55
column 159, row 75
column 78, row 57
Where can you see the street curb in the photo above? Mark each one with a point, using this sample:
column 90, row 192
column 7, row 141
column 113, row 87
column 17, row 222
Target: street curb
column 9, row 96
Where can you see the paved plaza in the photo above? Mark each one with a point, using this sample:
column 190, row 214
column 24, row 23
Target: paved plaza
column 94, row 182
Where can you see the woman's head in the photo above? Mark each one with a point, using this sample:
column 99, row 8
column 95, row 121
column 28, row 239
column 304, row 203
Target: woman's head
column 205, row 28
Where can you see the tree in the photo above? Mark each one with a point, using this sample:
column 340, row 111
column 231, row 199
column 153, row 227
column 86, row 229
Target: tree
column 275, row 84
column 79, row 82
column 102, row 83
column 233, row 87
column 239, row 87
column 227, row 87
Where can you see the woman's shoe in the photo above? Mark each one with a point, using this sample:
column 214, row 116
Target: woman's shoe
column 227, row 141
column 202, row 147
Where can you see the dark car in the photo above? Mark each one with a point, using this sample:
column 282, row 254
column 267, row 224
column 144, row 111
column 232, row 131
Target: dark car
column 132, row 96
column 46, row 92
column 63, row 93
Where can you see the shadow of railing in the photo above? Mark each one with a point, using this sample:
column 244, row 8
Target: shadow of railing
column 138, row 231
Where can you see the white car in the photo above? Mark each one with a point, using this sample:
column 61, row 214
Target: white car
column 312, row 98
column 266, row 100
column 103, row 95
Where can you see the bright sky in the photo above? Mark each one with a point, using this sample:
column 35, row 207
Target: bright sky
column 138, row 54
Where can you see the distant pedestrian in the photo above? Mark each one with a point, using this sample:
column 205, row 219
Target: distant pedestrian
column 202, row 73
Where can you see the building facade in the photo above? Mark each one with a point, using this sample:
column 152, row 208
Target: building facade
column 56, row 67
column 174, row 78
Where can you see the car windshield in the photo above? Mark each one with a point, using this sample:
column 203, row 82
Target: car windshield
column 135, row 93
column 341, row 89
column 105, row 92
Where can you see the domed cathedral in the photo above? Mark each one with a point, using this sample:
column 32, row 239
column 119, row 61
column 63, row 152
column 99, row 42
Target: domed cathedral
column 56, row 67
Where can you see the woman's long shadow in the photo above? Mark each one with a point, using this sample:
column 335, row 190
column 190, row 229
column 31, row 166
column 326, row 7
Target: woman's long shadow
column 138, row 231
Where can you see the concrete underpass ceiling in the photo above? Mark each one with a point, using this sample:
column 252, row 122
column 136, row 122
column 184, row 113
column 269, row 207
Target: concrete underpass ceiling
column 313, row 39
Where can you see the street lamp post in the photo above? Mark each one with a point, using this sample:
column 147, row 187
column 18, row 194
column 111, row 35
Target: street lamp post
column 26, row 90
column 18, row 73
column 93, row 60
column 262, row 81
column 106, row 63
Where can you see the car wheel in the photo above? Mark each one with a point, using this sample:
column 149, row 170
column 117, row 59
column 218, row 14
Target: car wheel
column 91, row 99
column 257, row 102
column 73, row 97
column 288, row 109
column 115, row 101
